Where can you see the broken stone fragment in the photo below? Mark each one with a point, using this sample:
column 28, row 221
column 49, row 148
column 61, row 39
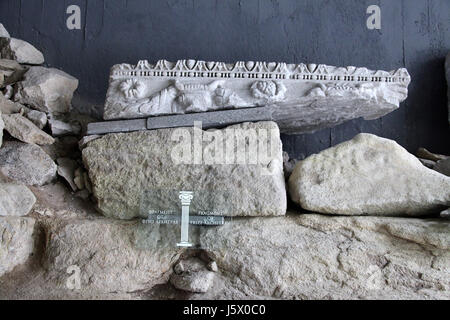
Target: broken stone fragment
column 3, row 32
column 66, row 169
column 16, row 243
column 288, row 164
column 447, row 73
column 445, row 214
column 26, row 163
column 37, row 117
column 123, row 166
column 8, row 107
column 15, row 199
column 179, row 268
column 368, row 175
column 87, row 183
column 212, row 266
column 79, row 182
column 115, row 256
column 60, row 128
column 312, row 256
column 46, row 89
column 299, row 97
column 193, row 276
column 10, row 72
column 21, row 51
column 23, row 129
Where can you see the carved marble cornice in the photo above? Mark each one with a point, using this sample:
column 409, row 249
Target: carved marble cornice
column 299, row 97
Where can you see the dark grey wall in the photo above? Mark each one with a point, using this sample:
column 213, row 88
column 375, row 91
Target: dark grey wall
column 415, row 34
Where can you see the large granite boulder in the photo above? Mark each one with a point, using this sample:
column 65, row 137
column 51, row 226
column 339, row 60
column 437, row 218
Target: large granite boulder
column 368, row 175
column 47, row 89
column 21, row 51
column 313, row 256
column 112, row 256
column 15, row 199
column 26, row 163
column 122, row 166
column 16, row 242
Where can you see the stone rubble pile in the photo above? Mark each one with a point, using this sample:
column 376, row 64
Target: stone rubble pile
column 34, row 101
column 362, row 240
column 35, row 109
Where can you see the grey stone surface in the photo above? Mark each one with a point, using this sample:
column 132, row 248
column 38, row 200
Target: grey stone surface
column 114, row 256
column 298, row 256
column 122, row 166
column 2, row 126
column 443, row 166
column 79, row 179
column 15, row 199
column 368, row 175
column 7, row 106
column 21, row 51
column 64, row 147
column 46, row 89
column 425, row 154
column 16, row 242
column 302, row 98
column 3, row 32
column 212, row 119
column 313, row 256
column 26, row 163
column 272, row 34
column 194, row 276
column 288, row 165
column 427, row 163
column 23, row 129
